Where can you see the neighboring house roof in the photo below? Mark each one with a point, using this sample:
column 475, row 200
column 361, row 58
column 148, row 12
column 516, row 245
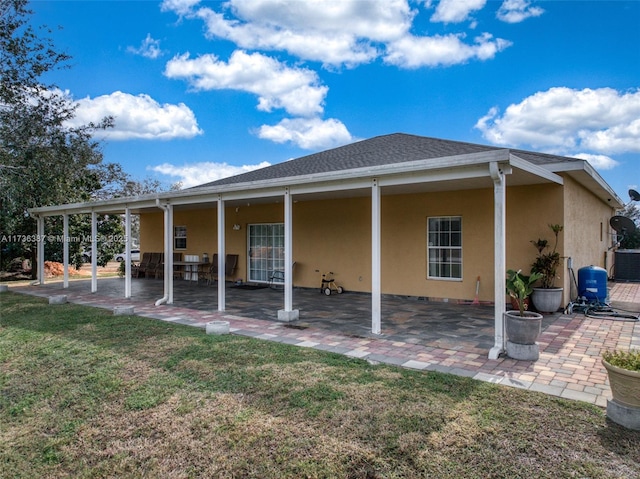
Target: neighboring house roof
column 383, row 150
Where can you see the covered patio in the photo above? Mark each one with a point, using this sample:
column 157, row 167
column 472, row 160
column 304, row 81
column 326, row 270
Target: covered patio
column 419, row 334
column 388, row 210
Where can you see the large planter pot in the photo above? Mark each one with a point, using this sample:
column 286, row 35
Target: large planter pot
column 624, row 408
column 522, row 333
column 547, row 300
column 625, row 385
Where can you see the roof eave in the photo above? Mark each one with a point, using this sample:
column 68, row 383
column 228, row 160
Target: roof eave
column 586, row 175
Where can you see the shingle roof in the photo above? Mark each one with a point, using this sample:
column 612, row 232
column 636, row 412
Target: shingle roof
column 381, row 150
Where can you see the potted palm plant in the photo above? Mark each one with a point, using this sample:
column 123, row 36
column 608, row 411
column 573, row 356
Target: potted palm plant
column 547, row 298
column 623, row 369
column 522, row 326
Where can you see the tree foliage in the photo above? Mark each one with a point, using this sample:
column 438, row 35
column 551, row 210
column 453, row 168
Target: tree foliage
column 631, row 240
column 43, row 161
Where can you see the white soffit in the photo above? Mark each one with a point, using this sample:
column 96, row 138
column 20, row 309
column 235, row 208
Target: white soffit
column 526, row 173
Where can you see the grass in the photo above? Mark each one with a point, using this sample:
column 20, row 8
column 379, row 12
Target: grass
column 86, row 394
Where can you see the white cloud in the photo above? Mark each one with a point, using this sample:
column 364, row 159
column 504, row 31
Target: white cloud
column 200, row 173
column 516, row 11
column 308, row 133
column 296, row 90
column 346, row 33
column 334, row 33
column 149, row 48
column 563, row 120
column 181, row 7
column 138, row 117
column 454, row 11
column 415, row 52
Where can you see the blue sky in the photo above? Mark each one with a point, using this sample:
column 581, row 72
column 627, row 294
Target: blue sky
column 202, row 90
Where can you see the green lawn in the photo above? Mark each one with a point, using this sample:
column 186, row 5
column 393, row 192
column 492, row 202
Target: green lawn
column 84, row 393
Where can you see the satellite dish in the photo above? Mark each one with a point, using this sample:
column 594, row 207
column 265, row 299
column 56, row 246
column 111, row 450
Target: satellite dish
column 635, row 196
column 622, row 225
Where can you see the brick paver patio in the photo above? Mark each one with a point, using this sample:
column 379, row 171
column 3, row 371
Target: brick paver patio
column 416, row 334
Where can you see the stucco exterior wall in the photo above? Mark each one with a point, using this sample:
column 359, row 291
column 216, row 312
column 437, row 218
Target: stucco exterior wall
column 335, row 235
column 530, row 211
column 588, row 234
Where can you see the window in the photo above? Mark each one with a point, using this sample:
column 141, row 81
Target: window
column 444, row 247
column 266, row 250
column 180, row 237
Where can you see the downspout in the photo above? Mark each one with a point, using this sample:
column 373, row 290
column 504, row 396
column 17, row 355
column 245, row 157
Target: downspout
column 165, row 209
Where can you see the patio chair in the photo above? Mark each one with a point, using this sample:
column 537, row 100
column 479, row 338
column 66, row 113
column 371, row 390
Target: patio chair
column 204, row 268
column 141, row 269
column 211, row 273
column 276, row 278
column 230, row 266
column 178, row 271
column 155, row 264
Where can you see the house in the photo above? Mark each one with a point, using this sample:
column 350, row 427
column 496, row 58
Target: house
column 395, row 214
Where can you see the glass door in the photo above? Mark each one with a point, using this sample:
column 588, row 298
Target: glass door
column 266, row 251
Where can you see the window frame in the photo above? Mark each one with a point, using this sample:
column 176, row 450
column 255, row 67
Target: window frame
column 181, row 237
column 266, row 250
column 448, row 256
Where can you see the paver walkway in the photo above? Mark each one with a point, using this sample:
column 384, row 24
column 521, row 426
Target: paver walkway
column 570, row 346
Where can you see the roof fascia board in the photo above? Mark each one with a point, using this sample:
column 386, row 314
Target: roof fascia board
column 525, row 165
column 585, row 166
column 271, row 192
column 475, row 171
column 113, row 206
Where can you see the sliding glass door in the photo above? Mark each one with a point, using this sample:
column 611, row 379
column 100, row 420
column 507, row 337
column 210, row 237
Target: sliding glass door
column 266, row 251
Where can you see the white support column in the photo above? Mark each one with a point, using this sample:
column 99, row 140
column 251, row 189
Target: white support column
column 221, row 255
column 127, row 251
column 376, row 309
column 65, row 250
column 168, row 255
column 167, row 211
column 40, row 249
column 94, row 252
column 499, row 237
column 288, row 313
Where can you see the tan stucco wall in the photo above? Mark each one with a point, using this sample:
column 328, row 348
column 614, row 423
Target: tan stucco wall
column 335, row 235
column 588, row 234
column 530, row 211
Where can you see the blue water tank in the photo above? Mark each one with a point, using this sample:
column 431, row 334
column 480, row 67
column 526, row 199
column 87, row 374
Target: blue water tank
column 592, row 283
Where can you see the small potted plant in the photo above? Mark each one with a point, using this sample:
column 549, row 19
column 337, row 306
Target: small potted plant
column 547, row 298
column 623, row 368
column 522, row 327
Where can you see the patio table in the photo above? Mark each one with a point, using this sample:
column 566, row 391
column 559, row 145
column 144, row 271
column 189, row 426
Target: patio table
column 189, row 269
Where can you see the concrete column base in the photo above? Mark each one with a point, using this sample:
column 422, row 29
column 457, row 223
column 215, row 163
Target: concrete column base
column 288, row 316
column 524, row 352
column 626, row 416
column 123, row 311
column 58, row 299
column 217, row 327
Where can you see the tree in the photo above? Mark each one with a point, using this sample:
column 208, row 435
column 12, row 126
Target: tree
column 631, row 240
column 42, row 160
